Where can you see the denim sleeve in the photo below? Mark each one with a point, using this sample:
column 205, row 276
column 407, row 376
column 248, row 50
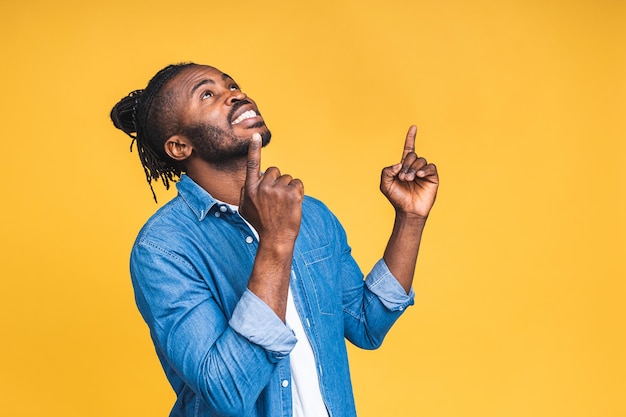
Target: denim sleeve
column 257, row 322
column 386, row 287
column 227, row 361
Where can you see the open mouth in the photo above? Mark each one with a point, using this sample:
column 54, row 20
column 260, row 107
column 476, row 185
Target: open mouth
column 248, row 114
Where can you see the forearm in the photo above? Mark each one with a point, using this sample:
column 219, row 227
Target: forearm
column 403, row 247
column 270, row 275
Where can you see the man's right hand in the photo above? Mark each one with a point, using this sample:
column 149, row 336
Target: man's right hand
column 271, row 202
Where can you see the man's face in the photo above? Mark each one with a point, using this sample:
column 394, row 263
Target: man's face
column 216, row 115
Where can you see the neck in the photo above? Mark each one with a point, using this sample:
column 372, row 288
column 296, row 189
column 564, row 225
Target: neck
column 223, row 182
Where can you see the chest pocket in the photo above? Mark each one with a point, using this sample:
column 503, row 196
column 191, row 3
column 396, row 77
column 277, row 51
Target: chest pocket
column 322, row 273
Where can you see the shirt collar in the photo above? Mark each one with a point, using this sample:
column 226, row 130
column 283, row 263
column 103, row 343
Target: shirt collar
column 196, row 197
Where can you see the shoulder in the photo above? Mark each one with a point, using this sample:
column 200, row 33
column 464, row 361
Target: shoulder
column 312, row 207
column 313, row 204
column 165, row 242
column 169, row 221
column 317, row 218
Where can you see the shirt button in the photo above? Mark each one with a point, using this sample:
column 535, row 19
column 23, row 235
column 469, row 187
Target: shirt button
column 217, row 214
column 223, row 209
column 249, row 239
column 285, row 383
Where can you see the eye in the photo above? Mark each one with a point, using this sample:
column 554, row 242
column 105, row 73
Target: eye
column 206, row 94
column 234, row 87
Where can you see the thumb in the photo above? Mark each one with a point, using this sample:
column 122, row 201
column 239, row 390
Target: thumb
column 389, row 175
column 392, row 171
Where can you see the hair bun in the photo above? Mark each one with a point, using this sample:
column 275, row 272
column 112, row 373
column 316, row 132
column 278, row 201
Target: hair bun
column 123, row 113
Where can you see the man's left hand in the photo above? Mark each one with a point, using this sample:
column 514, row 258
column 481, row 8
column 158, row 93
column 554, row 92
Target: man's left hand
column 410, row 185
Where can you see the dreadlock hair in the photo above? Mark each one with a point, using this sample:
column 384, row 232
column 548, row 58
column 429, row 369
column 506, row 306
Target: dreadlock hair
column 148, row 117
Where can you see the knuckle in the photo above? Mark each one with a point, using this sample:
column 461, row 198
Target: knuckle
column 265, row 187
column 273, row 172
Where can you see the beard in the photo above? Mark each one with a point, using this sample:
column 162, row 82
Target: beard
column 220, row 147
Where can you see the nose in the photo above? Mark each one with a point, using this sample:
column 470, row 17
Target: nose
column 235, row 96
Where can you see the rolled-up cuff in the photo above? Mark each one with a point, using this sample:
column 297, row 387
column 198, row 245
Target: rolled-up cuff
column 257, row 322
column 381, row 282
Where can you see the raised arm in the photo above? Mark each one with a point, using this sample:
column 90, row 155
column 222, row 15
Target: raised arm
column 411, row 187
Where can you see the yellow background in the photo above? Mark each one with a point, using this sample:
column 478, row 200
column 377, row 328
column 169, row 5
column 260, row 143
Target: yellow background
column 521, row 282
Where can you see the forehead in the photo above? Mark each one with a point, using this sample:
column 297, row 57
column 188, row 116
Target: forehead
column 190, row 79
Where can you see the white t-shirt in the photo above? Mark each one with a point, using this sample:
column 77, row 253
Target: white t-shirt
column 305, row 387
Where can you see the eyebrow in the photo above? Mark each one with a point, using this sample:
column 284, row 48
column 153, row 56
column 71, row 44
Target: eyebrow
column 201, row 83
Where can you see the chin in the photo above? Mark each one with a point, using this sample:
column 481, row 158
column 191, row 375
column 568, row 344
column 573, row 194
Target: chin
column 266, row 135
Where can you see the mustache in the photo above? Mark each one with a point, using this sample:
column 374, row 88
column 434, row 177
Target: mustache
column 236, row 107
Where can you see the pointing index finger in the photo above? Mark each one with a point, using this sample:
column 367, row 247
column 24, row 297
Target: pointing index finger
column 253, row 166
column 409, row 142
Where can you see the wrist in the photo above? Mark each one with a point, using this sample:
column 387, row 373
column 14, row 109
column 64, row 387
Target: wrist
column 278, row 246
column 411, row 218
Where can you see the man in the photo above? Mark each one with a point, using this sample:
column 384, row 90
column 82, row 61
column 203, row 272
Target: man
column 247, row 285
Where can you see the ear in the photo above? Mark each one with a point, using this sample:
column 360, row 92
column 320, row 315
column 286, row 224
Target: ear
column 178, row 147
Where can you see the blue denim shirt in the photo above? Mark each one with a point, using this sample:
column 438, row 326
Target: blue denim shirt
column 223, row 350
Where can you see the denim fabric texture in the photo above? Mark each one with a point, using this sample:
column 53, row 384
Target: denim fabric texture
column 223, row 350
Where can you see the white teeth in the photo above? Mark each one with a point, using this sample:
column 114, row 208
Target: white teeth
column 243, row 116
